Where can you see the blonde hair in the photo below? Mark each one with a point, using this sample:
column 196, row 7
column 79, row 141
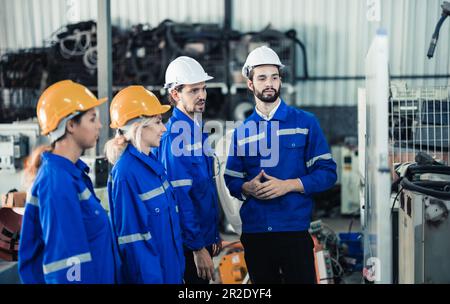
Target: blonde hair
column 132, row 133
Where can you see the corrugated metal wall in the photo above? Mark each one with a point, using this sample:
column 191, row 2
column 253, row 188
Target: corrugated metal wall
column 26, row 23
column 336, row 32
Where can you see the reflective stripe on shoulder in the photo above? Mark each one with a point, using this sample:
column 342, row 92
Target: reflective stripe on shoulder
column 85, row 195
column 181, row 183
column 32, row 200
column 292, row 131
column 151, row 194
column 251, row 139
column 126, row 239
column 234, row 173
column 66, row 263
column 326, row 156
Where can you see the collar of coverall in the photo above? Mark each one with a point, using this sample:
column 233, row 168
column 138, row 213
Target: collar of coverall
column 147, row 159
column 280, row 114
column 75, row 170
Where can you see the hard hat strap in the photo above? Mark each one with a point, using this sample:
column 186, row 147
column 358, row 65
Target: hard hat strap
column 61, row 129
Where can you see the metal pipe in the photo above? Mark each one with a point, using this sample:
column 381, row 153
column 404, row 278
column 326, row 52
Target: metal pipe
column 352, row 78
column 104, row 68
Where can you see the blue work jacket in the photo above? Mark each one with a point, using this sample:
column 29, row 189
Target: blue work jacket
column 189, row 164
column 289, row 146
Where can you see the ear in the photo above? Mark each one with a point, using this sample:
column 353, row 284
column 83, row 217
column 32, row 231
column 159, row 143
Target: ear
column 70, row 126
column 175, row 95
column 250, row 85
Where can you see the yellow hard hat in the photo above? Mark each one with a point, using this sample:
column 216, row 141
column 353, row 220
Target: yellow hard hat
column 62, row 99
column 133, row 102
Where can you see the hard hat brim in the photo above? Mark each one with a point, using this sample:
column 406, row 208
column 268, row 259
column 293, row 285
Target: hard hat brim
column 161, row 110
column 93, row 105
column 175, row 84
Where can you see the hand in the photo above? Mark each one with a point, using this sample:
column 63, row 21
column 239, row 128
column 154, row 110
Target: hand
column 274, row 187
column 204, row 263
column 251, row 187
column 217, row 248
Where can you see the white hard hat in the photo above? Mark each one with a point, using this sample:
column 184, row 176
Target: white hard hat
column 184, row 70
column 260, row 56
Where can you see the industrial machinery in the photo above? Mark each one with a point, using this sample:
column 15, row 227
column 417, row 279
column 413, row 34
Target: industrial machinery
column 419, row 129
column 445, row 13
column 396, row 124
column 232, row 268
column 17, row 140
column 424, row 225
column 141, row 54
column 349, row 181
column 346, row 158
column 322, row 257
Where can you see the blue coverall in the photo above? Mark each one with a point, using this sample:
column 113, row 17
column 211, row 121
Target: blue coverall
column 66, row 236
column 144, row 215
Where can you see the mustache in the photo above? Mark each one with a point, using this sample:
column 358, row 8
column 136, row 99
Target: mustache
column 201, row 101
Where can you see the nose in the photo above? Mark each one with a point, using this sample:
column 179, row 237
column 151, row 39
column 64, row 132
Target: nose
column 269, row 83
column 203, row 94
column 163, row 129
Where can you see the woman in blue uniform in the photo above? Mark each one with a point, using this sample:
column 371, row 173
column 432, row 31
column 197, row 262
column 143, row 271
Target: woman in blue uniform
column 143, row 208
column 66, row 236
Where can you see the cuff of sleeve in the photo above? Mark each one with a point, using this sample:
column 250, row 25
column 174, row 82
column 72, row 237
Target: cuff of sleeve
column 301, row 185
column 307, row 186
column 243, row 197
column 194, row 246
column 237, row 189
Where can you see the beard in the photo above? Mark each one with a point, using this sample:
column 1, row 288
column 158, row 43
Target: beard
column 200, row 106
column 195, row 108
column 268, row 99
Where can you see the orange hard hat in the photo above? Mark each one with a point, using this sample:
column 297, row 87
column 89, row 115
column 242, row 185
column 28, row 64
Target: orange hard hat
column 62, row 99
column 133, row 102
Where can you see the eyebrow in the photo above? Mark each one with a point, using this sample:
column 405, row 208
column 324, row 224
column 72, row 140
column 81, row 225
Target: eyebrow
column 197, row 88
column 264, row 75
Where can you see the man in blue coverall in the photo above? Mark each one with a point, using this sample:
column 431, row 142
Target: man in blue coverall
column 278, row 158
column 189, row 164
